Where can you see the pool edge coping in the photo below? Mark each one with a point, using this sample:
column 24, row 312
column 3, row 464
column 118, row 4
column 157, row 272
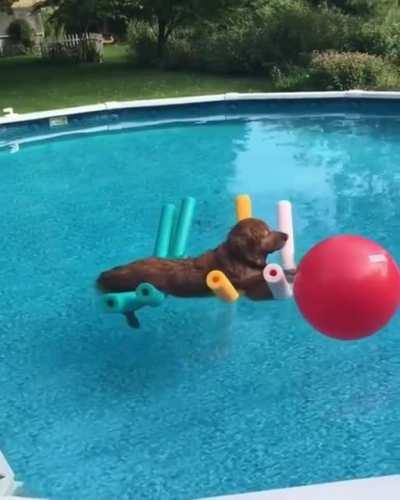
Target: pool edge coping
column 386, row 485
column 12, row 118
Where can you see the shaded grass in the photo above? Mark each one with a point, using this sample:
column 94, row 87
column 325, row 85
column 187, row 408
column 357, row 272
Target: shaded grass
column 29, row 84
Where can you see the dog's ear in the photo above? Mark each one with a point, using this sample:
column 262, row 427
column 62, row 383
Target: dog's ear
column 248, row 241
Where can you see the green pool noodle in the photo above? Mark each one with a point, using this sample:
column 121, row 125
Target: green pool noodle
column 171, row 241
column 182, row 228
column 121, row 302
column 164, row 232
column 148, row 295
column 145, row 295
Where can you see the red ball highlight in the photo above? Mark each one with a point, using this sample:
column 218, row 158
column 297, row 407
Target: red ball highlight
column 347, row 287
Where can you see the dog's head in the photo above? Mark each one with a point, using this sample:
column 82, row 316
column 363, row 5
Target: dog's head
column 251, row 240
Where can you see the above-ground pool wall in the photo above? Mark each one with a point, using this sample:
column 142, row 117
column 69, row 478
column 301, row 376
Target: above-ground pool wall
column 19, row 129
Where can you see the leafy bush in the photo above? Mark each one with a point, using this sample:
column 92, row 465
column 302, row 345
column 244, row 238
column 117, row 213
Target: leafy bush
column 353, row 7
column 20, row 33
column 14, row 49
column 142, row 44
column 53, row 30
column 275, row 37
column 344, row 71
column 283, row 33
column 379, row 39
column 179, row 53
column 237, row 49
column 293, row 79
column 297, row 30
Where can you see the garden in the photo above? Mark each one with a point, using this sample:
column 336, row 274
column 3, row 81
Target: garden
column 154, row 48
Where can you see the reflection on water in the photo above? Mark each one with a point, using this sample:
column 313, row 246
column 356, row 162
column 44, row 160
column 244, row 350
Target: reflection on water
column 340, row 174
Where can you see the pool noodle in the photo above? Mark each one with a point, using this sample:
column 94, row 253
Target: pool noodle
column 280, row 288
column 221, row 286
column 285, row 224
column 182, row 229
column 149, row 295
column 121, row 302
column 243, row 207
column 145, row 295
column 164, row 232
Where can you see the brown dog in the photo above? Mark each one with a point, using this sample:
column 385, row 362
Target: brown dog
column 242, row 258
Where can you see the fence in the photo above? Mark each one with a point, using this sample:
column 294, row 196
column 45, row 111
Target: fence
column 87, row 47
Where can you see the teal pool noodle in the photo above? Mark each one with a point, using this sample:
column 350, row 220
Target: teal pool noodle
column 149, row 295
column 121, row 302
column 182, row 229
column 164, row 232
column 145, row 295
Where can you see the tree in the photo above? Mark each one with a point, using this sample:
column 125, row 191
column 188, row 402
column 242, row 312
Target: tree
column 21, row 32
column 81, row 16
column 359, row 7
column 168, row 15
column 164, row 16
column 5, row 5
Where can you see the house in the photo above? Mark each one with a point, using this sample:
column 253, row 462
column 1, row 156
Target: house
column 21, row 9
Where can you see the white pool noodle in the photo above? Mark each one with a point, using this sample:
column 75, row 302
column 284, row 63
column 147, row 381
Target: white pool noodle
column 285, row 224
column 275, row 277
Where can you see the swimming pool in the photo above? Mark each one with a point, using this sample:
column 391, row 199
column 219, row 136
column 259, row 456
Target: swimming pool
column 204, row 399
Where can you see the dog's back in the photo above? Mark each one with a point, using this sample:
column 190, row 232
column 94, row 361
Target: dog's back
column 242, row 258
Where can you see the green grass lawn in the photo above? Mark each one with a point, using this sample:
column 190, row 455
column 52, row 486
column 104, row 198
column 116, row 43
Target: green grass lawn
column 29, row 84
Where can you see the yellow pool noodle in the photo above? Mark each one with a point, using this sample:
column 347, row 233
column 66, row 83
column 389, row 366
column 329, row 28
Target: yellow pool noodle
column 221, row 286
column 243, row 207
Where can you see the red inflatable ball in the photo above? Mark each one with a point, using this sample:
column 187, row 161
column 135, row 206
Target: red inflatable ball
column 347, row 287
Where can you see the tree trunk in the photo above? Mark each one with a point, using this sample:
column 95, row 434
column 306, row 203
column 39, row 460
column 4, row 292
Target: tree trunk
column 161, row 38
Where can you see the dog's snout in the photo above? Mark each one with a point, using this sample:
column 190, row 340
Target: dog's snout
column 284, row 236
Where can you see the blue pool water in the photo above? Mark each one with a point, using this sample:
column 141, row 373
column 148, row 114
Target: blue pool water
column 205, row 399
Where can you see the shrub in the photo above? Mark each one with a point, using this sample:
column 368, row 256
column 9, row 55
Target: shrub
column 344, row 71
column 296, row 30
column 13, row 49
column 237, row 49
column 142, row 44
column 278, row 34
column 293, row 79
column 284, row 33
column 20, row 33
column 379, row 39
column 179, row 53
